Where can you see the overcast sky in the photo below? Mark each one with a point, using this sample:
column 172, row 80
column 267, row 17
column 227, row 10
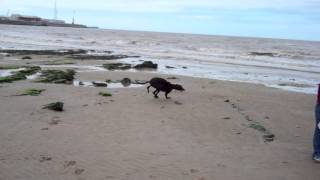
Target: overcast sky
column 289, row 19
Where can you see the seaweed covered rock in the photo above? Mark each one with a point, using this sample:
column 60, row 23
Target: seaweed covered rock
column 117, row 66
column 147, row 64
column 29, row 70
column 14, row 77
column 56, row 106
column 57, row 76
column 20, row 75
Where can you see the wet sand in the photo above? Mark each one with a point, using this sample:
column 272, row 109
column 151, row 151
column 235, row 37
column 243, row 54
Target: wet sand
column 202, row 133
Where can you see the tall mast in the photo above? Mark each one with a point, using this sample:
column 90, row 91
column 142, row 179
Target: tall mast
column 73, row 17
column 55, row 10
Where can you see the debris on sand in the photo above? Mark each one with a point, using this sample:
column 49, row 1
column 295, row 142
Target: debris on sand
column 117, row 66
column 20, row 75
column 147, row 64
column 32, row 92
column 57, row 76
column 105, row 94
column 126, row 82
column 56, row 106
column 99, row 84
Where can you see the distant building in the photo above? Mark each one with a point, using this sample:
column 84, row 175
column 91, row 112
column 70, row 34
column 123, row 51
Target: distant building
column 4, row 18
column 25, row 18
column 17, row 19
column 54, row 21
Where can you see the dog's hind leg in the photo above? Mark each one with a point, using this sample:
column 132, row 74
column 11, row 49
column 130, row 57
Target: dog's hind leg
column 167, row 95
column 148, row 88
column 155, row 93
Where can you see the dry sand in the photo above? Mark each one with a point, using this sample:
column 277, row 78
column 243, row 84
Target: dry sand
column 195, row 135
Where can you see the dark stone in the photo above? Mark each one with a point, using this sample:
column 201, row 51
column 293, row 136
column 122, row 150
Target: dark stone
column 126, row 82
column 26, row 57
column 170, row 67
column 147, row 64
column 99, row 84
column 56, row 106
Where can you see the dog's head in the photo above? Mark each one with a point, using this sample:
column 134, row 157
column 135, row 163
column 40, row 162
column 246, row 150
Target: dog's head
column 177, row 87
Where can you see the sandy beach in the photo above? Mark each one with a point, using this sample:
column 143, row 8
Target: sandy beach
column 213, row 130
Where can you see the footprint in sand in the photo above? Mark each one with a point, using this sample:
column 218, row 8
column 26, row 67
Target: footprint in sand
column 194, row 170
column 69, row 163
column 177, row 102
column 45, row 158
column 55, row 121
column 78, row 171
